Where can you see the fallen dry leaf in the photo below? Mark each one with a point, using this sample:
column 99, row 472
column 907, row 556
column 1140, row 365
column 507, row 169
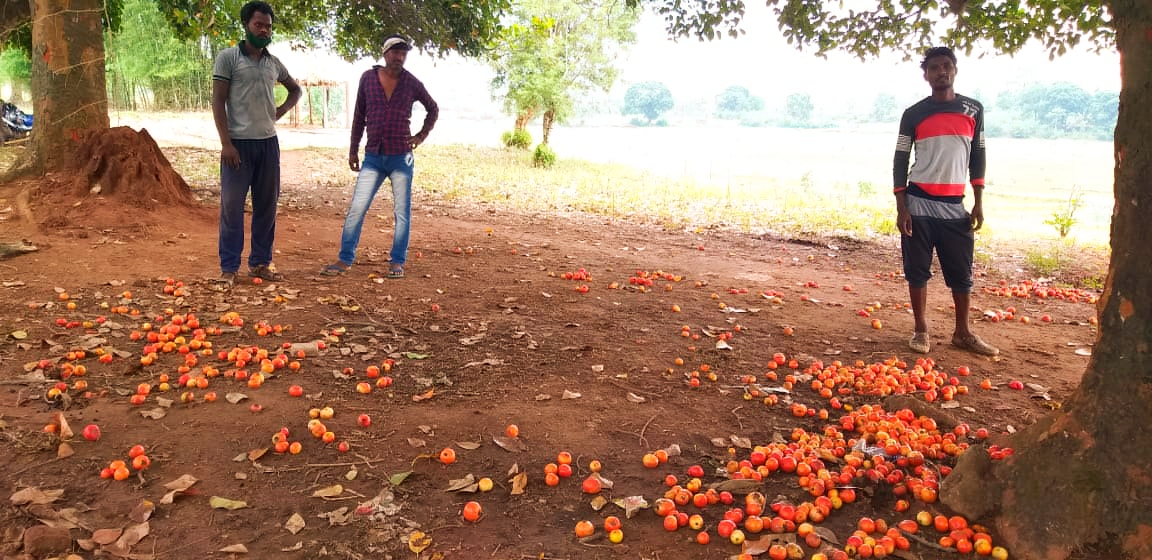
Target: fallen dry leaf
column 741, row 442
column 154, row 413
column 417, row 442
column 235, row 397
column 106, row 536
column 298, row 546
column 65, row 450
column 329, row 492
column 634, row 398
column 604, row 482
column 65, row 430
column 235, row 549
column 761, row 545
column 631, row 505
column 570, row 394
column 466, row 484
column 739, row 486
column 425, row 395
column 513, row 444
column 35, row 496
column 519, row 483
column 828, row 536
column 598, row 502
column 295, row 523
column 132, row 535
column 418, row 541
column 257, row 453
column 142, row 512
column 218, row 502
column 337, row 516
column 469, row 445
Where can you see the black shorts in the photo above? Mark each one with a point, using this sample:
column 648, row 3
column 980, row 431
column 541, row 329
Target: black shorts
column 953, row 242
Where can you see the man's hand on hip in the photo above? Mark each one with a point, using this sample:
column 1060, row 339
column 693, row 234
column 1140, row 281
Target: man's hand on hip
column 354, row 163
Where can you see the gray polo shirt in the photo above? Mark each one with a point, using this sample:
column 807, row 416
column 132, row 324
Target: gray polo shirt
column 251, row 104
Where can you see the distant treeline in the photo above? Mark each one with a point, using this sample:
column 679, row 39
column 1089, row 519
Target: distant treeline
column 1057, row 110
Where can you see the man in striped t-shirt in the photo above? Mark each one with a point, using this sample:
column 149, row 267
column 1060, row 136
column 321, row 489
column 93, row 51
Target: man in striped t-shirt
column 947, row 131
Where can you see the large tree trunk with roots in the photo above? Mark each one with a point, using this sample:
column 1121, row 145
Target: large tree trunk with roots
column 67, row 80
column 549, row 120
column 1084, row 474
column 78, row 170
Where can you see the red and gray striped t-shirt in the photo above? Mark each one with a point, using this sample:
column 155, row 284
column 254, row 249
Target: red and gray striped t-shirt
column 949, row 142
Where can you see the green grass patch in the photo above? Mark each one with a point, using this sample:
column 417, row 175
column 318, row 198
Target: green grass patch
column 750, row 204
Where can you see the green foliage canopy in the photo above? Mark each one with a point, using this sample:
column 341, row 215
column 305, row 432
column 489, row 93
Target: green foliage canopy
column 906, row 26
column 799, row 108
column 351, row 28
column 650, row 99
column 554, row 50
column 734, row 101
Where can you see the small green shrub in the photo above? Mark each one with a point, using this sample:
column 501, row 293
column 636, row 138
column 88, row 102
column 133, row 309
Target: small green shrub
column 519, row 139
column 1064, row 218
column 543, row 156
column 1047, row 261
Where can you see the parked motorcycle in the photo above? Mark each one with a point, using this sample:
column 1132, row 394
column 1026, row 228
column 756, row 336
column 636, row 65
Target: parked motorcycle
column 14, row 123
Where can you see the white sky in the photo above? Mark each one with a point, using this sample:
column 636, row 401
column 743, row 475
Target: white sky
column 760, row 60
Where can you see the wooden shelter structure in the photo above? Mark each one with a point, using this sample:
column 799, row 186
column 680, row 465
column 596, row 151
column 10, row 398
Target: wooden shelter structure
column 305, row 105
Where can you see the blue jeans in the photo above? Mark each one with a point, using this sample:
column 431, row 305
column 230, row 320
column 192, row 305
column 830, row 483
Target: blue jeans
column 398, row 169
column 259, row 172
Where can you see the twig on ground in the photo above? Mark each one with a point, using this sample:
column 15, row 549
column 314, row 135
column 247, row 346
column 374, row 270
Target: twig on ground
column 643, row 440
column 185, row 545
column 738, row 421
column 321, row 466
column 33, row 466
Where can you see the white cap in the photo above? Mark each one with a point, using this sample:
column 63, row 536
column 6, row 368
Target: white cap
column 396, row 42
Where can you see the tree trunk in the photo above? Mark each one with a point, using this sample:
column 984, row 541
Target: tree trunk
column 1084, row 474
column 549, row 120
column 68, row 88
column 522, row 119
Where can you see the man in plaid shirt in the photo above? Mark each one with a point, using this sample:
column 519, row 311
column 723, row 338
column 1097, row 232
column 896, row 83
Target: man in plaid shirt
column 384, row 107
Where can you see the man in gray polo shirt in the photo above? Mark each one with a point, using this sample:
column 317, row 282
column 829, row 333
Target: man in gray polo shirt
column 244, row 108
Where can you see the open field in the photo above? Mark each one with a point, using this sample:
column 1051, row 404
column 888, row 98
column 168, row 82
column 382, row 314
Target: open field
column 746, row 172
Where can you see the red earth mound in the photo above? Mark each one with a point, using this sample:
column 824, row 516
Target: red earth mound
column 119, row 179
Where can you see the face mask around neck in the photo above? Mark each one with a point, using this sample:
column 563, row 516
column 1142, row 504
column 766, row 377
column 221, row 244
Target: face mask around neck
column 256, row 40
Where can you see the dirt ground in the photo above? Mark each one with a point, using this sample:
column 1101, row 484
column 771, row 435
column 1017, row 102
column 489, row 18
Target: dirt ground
column 485, row 331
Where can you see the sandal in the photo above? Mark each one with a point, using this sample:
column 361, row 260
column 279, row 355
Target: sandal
column 396, row 272
column 973, row 343
column 225, row 281
column 263, row 272
column 919, row 343
column 335, row 269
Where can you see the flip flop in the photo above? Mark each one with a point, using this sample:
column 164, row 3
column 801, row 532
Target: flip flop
column 919, row 343
column 335, row 269
column 396, row 272
column 973, row 343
